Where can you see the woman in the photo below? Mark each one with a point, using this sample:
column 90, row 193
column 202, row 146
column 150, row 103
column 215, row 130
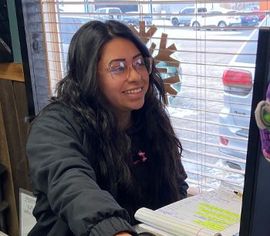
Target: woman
column 104, row 147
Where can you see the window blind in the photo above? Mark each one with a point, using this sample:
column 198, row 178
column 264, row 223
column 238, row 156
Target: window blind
column 205, row 51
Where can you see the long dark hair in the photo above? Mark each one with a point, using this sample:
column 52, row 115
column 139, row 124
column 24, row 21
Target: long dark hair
column 79, row 90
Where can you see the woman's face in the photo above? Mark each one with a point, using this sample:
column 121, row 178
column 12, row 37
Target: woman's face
column 123, row 77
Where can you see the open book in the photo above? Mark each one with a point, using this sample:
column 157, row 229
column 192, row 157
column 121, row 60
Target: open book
column 213, row 213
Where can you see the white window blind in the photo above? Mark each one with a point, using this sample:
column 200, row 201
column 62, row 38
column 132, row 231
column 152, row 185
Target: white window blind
column 206, row 52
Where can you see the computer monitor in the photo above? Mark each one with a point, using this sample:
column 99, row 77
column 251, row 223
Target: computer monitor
column 255, row 217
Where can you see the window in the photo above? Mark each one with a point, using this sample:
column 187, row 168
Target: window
column 208, row 69
column 187, row 11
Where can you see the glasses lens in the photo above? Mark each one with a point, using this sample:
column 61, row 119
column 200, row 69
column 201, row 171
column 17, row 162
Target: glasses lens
column 119, row 69
column 143, row 65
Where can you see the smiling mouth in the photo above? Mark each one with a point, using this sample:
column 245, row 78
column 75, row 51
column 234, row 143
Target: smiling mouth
column 133, row 91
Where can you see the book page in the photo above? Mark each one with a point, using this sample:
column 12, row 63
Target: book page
column 208, row 213
column 27, row 203
column 156, row 222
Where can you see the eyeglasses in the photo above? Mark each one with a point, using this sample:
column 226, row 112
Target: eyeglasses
column 119, row 68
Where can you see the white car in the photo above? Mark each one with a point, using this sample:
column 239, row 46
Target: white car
column 108, row 13
column 215, row 18
column 185, row 15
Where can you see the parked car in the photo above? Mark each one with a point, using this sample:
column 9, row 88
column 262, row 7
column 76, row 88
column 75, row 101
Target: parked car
column 235, row 114
column 247, row 18
column 134, row 17
column 108, row 13
column 215, row 18
column 186, row 14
